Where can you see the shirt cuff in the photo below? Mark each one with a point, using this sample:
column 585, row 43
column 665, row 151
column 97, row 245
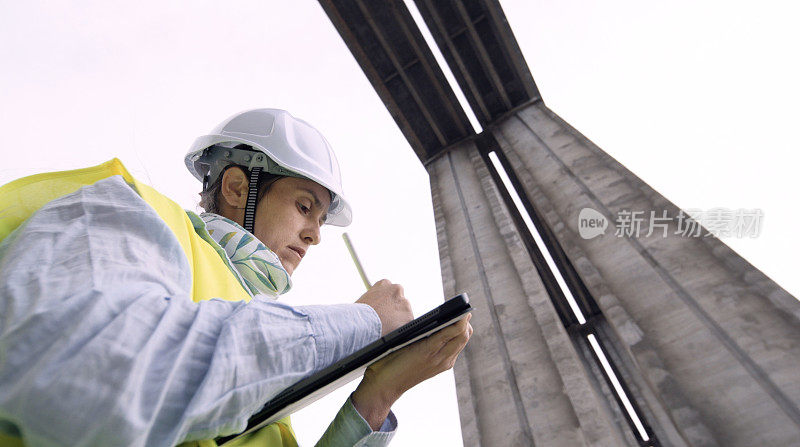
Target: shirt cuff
column 341, row 329
column 349, row 428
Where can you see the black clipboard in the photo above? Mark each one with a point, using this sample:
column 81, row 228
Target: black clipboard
column 327, row 380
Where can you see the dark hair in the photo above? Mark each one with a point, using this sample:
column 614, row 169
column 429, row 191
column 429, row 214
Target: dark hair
column 209, row 198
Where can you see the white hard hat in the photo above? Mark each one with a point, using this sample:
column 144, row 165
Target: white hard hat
column 292, row 147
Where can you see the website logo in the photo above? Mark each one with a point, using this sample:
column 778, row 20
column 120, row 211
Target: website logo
column 591, row 223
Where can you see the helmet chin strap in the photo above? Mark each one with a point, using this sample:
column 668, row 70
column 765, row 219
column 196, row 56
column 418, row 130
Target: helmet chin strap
column 252, row 197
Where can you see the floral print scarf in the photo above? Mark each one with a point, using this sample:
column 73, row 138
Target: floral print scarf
column 258, row 266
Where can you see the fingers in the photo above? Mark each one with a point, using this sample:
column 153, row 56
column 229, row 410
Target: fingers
column 455, row 330
column 389, row 302
column 420, row 361
column 382, row 283
column 457, row 343
column 395, row 290
column 448, row 354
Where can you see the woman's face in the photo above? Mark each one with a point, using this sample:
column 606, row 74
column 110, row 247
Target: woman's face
column 289, row 217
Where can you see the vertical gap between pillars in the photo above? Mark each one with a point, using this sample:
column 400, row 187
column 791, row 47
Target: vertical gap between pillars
column 573, row 304
column 617, row 387
column 448, row 74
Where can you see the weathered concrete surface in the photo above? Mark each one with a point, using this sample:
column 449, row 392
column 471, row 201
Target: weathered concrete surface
column 520, row 380
column 710, row 342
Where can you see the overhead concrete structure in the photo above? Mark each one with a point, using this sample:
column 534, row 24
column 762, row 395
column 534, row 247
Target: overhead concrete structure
column 623, row 338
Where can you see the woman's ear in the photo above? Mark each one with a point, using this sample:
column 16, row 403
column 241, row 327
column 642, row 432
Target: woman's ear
column 234, row 188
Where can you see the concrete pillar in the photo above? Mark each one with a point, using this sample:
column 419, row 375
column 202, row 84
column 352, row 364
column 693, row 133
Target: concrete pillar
column 706, row 343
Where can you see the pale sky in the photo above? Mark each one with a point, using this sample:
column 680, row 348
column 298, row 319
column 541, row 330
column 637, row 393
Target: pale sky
column 699, row 99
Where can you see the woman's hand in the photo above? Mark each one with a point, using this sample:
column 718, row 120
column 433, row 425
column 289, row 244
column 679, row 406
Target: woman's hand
column 389, row 303
column 387, row 379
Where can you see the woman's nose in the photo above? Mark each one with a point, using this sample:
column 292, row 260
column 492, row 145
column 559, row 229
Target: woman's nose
column 311, row 234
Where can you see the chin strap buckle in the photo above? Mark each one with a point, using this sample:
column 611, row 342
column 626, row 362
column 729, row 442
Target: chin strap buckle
column 252, row 198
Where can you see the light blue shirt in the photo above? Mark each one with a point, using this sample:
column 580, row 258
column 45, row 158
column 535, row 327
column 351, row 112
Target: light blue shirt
column 101, row 344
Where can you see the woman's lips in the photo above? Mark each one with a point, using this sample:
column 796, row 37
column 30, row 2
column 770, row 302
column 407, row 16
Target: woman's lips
column 299, row 251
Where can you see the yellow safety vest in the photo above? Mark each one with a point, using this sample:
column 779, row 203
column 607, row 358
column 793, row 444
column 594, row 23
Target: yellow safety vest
column 210, row 275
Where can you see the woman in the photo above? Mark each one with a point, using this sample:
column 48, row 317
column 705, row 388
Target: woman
column 120, row 306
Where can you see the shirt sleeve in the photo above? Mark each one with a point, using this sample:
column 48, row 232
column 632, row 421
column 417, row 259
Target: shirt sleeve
column 350, row 429
column 101, row 343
